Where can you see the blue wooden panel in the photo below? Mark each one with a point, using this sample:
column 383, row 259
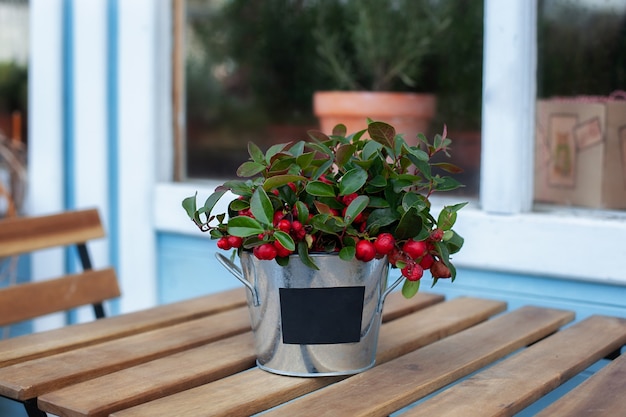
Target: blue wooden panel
column 187, row 268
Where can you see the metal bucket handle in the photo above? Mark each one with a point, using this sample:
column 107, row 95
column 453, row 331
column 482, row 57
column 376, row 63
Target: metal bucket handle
column 237, row 273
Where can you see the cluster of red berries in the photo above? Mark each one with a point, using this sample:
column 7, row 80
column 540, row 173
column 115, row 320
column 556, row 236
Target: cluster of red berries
column 414, row 256
column 270, row 250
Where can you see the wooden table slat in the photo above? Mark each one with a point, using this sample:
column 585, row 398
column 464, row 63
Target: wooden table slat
column 36, row 345
column 602, row 395
column 511, row 385
column 30, row 379
column 202, row 364
column 257, row 390
column 384, row 389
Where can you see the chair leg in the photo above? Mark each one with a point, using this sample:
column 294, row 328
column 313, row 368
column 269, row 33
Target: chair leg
column 32, row 410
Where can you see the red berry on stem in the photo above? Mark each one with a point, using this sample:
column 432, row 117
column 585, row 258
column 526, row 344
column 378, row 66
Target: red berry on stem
column 222, row 243
column 365, row 250
column 414, row 248
column 235, row 241
column 265, row 252
column 384, row 243
column 278, row 216
column 281, row 250
column 284, row 225
column 440, row 270
column 412, row 271
column 427, row 261
column 436, row 235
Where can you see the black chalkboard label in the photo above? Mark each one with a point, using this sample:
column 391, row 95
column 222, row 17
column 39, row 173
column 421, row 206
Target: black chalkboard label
column 321, row 315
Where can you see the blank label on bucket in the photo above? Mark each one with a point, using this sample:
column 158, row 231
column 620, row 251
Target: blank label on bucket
column 321, row 315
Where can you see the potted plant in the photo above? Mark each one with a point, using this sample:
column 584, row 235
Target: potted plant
column 379, row 54
column 356, row 201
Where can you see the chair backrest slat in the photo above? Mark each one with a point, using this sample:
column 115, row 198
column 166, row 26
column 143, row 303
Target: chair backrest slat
column 26, row 234
column 35, row 299
column 22, row 235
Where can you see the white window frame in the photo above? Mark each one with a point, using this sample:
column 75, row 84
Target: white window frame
column 501, row 230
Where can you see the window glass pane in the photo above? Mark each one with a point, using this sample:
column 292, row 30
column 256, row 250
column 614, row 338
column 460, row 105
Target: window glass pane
column 580, row 152
column 13, row 104
column 252, row 69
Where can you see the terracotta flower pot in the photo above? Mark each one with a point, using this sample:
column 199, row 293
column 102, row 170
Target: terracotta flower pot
column 409, row 113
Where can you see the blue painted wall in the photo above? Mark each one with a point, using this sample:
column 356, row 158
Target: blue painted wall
column 187, row 268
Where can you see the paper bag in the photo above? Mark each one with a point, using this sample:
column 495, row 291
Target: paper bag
column 580, row 152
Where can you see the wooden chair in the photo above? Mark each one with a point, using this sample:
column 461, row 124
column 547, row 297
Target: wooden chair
column 23, row 235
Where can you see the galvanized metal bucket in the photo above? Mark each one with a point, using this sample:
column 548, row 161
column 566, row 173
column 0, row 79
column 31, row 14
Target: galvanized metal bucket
column 310, row 322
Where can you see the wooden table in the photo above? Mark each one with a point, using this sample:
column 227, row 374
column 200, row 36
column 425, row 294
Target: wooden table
column 196, row 358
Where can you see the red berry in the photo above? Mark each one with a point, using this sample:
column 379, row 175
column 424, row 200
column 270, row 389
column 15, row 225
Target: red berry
column 347, row 199
column 223, row 243
column 246, row 212
column 296, row 226
column 436, row 235
column 284, row 225
column 384, row 243
column 414, row 248
column 395, row 255
column 427, row 261
column 440, row 270
column 292, row 186
column 412, row 271
column 365, row 250
column 281, row 250
column 235, row 241
column 265, row 252
column 278, row 216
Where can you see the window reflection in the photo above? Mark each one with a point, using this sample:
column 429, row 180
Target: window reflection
column 252, row 68
column 580, row 151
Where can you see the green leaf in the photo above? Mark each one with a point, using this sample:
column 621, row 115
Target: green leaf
column 274, row 150
column 322, row 169
column 371, row 150
column 344, row 153
column 356, row 207
column 352, row 181
column 382, row 217
column 455, row 242
column 249, row 169
column 320, row 189
column 382, row 133
column 285, row 240
column 280, row 180
column 304, row 160
column 446, row 219
column 244, row 226
column 448, row 184
column 410, row 288
column 378, row 202
column 410, row 225
column 261, row 206
column 318, row 136
column 189, row 204
column 347, row 253
column 303, row 212
column 255, row 153
column 340, row 130
column 418, row 153
column 448, row 167
column 303, row 252
column 238, row 205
